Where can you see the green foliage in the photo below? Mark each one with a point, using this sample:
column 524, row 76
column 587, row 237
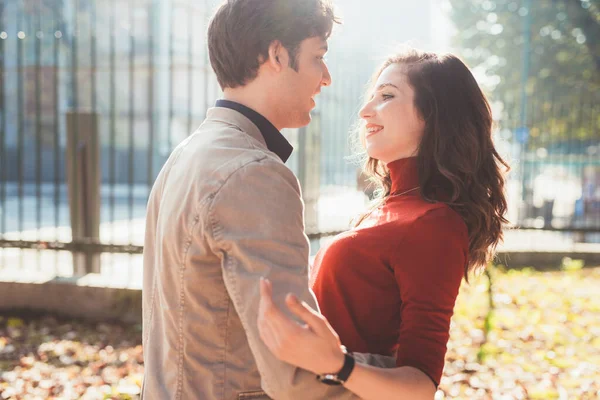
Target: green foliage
column 568, row 264
column 564, row 62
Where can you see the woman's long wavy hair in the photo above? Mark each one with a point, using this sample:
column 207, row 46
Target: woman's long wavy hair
column 456, row 155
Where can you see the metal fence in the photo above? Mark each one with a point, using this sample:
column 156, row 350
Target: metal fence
column 93, row 97
column 132, row 84
column 95, row 94
column 556, row 159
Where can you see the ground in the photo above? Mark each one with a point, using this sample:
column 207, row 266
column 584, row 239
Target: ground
column 541, row 342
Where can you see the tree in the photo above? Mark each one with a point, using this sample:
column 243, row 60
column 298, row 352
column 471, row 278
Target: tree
column 564, row 62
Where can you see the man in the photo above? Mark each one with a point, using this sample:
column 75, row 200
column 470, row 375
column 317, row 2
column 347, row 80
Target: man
column 225, row 211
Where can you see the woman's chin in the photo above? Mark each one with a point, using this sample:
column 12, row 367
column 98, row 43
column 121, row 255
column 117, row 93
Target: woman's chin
column 373, row 152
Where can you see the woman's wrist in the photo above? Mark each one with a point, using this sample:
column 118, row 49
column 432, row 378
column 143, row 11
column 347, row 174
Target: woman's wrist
column 335, row 364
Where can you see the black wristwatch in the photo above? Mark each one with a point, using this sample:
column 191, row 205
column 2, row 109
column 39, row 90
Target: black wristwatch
column 341, row 377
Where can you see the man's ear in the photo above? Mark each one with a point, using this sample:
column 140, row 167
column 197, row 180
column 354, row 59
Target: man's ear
column 278, row 56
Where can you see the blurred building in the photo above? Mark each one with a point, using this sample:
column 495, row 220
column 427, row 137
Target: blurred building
column 145, row 76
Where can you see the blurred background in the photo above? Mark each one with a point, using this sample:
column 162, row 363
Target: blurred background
column 94, row 94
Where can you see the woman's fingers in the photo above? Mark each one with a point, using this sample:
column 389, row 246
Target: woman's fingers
column 265, row 309
column 277, row 331
column 279, row 320
column 303, row 311
column 268, row 310
column 301, row 345
column 266, row 291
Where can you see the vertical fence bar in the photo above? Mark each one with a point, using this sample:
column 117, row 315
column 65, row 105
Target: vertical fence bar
column 113, row 126
column 38, row 123
column 206, row 60
column 596, row 134
column 544, row 140
column 150, row 165
column 131, row 157
column 593, row 161
column 95, row 163
column 191, row 10
column 575, row 160
column 74, row 107
column 510, row 123
column 562, row 138
column 567, row 134
column 3, row 129
column 131, row 116
column 21, row 35
column 580, row 119
column 567, row 139
column 171, row 72
column 552, row 136
column 596, row 111
column 535, row 162
column 580, row 164
column 55, row 125
column 72, row 185
column 93, row 55
column 39, row 34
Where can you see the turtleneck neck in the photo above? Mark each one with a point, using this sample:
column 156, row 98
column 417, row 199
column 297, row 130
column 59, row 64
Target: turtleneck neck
column 404, row 174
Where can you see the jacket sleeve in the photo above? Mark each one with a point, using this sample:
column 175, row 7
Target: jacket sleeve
column 257, row 229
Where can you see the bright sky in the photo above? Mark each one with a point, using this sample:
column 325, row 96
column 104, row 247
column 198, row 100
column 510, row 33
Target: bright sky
column 377, row 27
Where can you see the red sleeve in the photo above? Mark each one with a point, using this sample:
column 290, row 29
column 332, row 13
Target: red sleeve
column 429, row 268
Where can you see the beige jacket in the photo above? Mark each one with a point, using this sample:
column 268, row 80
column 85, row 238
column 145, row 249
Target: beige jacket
column 223, row 212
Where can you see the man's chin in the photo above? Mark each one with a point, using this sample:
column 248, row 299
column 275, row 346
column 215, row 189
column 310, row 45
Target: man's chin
column 307, row 119
column 300, row 121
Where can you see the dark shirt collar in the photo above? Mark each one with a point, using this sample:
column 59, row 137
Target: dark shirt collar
column 275, row 141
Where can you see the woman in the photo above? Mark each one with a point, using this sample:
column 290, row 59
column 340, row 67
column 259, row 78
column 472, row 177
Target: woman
column 388, row 286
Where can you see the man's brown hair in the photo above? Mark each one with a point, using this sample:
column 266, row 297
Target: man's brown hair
column 241, row 31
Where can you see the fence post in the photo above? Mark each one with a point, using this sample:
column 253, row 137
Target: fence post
column 83, row 182
column 309, row 171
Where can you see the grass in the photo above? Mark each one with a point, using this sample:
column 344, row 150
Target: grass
column 542, row 341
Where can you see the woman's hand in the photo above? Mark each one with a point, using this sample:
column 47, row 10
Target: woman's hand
column 314, row 346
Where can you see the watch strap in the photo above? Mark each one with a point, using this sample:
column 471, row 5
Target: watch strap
column 342, row 376
column 348, row 367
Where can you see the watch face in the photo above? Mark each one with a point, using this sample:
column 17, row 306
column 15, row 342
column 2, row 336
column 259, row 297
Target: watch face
column 329, row 379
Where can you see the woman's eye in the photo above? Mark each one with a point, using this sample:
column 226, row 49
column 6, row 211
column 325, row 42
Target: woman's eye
column 386, row 96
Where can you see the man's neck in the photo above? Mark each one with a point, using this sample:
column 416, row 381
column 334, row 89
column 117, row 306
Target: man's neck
column 254, row 99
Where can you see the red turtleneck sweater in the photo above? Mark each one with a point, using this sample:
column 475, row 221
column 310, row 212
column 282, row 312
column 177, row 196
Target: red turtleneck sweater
column 389, row 286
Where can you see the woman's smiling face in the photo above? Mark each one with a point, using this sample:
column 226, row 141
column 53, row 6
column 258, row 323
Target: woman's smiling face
column 393, row 125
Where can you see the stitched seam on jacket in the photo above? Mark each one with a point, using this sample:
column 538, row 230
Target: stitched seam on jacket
column 154, row 281
column 225, row 347
column 216, row 230
column 188, row 244
column 248, row 137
